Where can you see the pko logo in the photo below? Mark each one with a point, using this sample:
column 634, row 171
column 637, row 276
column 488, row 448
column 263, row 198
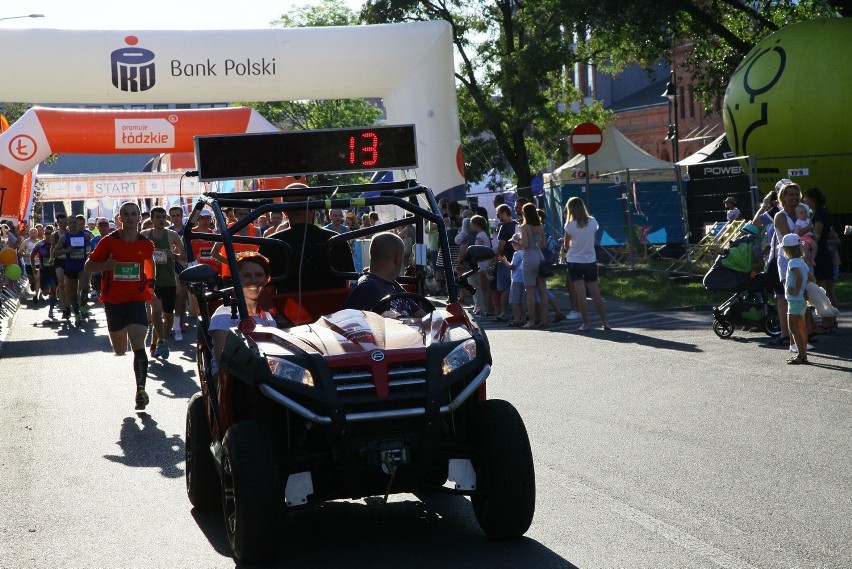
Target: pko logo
column 132, row 67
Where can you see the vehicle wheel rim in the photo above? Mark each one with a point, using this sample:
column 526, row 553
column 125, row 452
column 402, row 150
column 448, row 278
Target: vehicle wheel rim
column 723, row 328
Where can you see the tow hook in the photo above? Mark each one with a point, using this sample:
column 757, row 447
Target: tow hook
column 390, row 459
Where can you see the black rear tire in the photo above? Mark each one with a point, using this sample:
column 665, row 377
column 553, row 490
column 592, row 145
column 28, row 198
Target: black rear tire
column 252, row 494
column 504, row 501
column 202, row 479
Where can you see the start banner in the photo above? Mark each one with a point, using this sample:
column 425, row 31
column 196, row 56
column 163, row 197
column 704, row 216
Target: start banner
column 56, row 187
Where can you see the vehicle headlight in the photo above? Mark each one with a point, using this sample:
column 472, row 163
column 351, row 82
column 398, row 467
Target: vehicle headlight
column 462, row 354
column 287, row 370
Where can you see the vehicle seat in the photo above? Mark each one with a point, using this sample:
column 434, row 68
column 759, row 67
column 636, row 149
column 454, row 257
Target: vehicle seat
column 314, row 304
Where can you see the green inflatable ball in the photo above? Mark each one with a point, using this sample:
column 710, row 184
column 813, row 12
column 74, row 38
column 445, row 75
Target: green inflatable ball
column 787, row 107
column 13, row 272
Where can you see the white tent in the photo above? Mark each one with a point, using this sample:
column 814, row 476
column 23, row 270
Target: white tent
column 616, row 155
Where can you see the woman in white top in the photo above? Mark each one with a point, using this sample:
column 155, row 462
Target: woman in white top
column 582, row 260
column 254, row 274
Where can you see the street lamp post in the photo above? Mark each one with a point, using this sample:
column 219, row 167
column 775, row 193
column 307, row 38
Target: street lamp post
column 25, row 16
column 674, row 135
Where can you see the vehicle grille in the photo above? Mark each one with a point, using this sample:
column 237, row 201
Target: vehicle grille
column 405, row 382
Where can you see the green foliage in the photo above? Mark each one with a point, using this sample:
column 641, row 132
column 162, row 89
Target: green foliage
column 14, row 111
column 319, row 114
column 721, row 33
column 514, row 103
column 326, row 13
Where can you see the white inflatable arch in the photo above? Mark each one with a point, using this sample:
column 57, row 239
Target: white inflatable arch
column 410, row 66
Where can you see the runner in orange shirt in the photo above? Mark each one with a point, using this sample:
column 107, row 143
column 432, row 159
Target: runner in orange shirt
column 126, row 260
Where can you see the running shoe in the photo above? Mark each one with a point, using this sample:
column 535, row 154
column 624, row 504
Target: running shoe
column 141, row 399
column 162, row 351
column 573, row 315
column 50, row 313
column 77, row 318
column 66, row 313
column 84, row 312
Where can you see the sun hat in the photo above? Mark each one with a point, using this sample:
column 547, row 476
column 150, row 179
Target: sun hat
column 791, row 240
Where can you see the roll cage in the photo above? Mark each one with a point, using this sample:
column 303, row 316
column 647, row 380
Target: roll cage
column 408, row 195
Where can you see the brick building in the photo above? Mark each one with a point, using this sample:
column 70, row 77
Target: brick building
column 642, row 112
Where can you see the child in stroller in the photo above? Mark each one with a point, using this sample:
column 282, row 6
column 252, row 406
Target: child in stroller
column 752, row 304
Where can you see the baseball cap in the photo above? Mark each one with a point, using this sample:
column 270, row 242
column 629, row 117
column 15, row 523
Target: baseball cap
column 516, row 238
column 112, row 225
column 90, row 220
column 781, row 183
column 205, row 213
column 102, row 220
column 730, row 199
column 791, row 240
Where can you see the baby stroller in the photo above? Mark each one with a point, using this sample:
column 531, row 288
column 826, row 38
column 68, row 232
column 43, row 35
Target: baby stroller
column 752, row 304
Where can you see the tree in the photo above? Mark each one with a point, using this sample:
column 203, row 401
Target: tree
column 721, row 33
column 316, row 114
column 514, row 102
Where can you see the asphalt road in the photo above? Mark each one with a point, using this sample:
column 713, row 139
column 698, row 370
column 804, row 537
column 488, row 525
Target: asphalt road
column 656, row 445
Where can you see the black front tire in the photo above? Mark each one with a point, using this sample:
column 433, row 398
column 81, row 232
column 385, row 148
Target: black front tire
column 252, row 495
column 772, row 325
column 504, row 501
column 723, row 328
column 202, row 480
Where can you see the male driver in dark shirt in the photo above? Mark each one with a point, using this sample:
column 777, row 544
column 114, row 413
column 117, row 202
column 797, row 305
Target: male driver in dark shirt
column 386, row 258
column 318, row 258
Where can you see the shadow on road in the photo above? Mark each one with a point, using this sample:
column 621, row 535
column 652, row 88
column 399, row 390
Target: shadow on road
column 148, row 446
column 433, row 530
column 176, row 382
column 624, row 337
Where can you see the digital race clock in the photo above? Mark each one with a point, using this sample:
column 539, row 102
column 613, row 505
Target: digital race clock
column 264, row 155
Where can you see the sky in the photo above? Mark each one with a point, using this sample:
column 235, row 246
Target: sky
column 151, row 14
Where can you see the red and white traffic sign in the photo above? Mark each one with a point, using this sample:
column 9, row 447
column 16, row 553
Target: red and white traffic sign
column 586, row 138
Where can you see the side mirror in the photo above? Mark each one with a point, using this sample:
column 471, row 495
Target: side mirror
column 199, row 274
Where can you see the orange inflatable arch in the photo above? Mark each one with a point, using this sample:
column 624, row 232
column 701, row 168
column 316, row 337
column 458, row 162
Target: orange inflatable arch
column 42, row 131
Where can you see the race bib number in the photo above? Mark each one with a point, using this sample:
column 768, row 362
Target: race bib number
column 76, row 254
column 160, row 256
column 78, row 241
column 127, row 272
column 205, row 254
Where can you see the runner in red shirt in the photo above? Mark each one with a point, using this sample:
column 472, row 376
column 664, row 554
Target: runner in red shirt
column 126, row 260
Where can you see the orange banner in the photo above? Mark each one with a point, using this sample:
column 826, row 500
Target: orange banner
column 41, row 132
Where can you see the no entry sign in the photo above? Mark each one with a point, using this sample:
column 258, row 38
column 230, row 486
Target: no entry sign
column 586, row 138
